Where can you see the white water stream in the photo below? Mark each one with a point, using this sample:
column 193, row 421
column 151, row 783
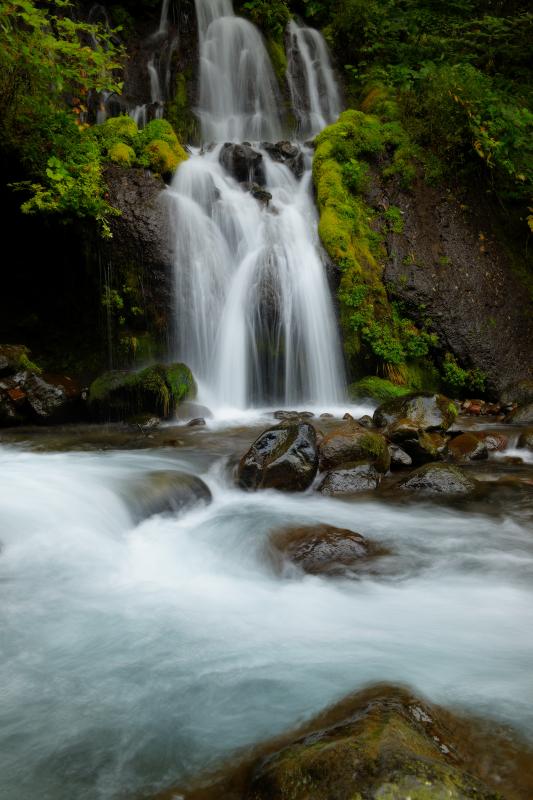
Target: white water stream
column 134, row 656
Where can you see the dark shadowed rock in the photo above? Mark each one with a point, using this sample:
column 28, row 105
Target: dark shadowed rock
column 520, row 393
column 399, row 458
column 243, row 162
column 166, row 491
column 351, row 442
column 435, row 479
column 12, row 358
column 288, row 154
column 284, row 457
column 321, row 549
column 521, row 416
column 198, row 422
column 29, row 397
column 525, row 440
column 427, row 412
column 350, row 479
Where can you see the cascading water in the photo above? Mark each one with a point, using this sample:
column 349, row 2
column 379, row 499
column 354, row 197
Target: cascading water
column 254, row 315
column 315, row 95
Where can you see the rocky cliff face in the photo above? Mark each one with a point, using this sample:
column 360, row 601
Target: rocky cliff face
column 451, row 268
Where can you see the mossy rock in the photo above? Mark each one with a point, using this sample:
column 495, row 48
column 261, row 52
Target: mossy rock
column 382, row 744
column 121, row 153
column 427, row 412
column 14, row 358
column 118, row 129
column 155, row 390
column 159, row 147
column 376, row 389
column 352, row 442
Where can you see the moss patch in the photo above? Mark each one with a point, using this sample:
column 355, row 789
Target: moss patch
column 156, row 390
column 353, row 233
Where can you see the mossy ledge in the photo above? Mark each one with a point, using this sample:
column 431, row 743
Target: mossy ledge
column 155, row 390
column 377, row 337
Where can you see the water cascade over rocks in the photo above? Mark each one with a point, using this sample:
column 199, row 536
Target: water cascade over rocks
column 254, row 314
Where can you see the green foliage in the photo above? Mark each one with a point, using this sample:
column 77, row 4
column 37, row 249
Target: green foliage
column 460, row 75
column 158, row 147
column 121, row 153
column 48, row 64
column 461, row 381
column 394, row 219
column 271, row 16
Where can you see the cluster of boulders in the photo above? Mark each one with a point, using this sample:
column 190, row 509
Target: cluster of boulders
column 404, row 432
column 246, row 165
column 27, row 395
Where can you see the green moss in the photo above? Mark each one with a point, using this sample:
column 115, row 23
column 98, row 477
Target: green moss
column 278, row 57
column 117, row 129
column 121, row 153
column 157, row 389
column 26, row 364
column 158, row 147
column 377, row 388
column 353, row 234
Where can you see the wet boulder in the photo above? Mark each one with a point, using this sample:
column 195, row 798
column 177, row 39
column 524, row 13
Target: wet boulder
column 166, row 491
column 420, row 445
column 31, row 397
column 523, row 415
column 260, row 194
column 525, row 440
column 426, row 412
column 286, row 153
column 398, row 457
column 243, row 163
column 350, row 479
column 321, row 549
column 351, row 442
column 439, row 479
column 188, row 409
column 467, row 447
column 284, row 457
column 156, row 390
column 382, row 743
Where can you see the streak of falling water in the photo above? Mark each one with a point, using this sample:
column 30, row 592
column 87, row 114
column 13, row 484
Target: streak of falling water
column 315, row 96
column 255, row 320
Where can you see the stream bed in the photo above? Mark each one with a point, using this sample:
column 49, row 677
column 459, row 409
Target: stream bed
column 137, row 654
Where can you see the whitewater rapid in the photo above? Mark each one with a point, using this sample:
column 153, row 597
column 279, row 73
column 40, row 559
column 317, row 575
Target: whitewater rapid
column 136, row 655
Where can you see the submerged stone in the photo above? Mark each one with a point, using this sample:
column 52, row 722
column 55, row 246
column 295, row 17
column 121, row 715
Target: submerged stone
column 166, row 491
column 284, row 457
column 321, row 549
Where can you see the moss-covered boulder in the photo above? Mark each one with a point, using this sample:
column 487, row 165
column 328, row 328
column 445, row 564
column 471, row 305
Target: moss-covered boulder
column 439, row 479
column 352, row 442
column 14, row 358
column 321, row 549
column 155, row 390
column 427, row 412
column 284, row 457
column 382, row 744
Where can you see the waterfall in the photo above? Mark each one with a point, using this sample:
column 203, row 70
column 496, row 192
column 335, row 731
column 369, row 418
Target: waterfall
column 239, row 97
column 254, row 316
column 163, row 22
column 314, row 92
